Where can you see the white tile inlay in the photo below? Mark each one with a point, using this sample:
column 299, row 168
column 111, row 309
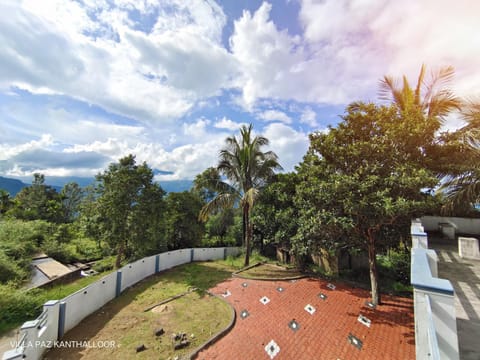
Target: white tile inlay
column 264, row 300
column 272, row 349
column 310, row 309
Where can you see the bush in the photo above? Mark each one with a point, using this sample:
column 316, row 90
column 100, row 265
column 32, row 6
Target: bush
column 18, row 306
column 87, row 249
column 105, row 264
column 64, row 253
column 395, row 266
column 10, row 270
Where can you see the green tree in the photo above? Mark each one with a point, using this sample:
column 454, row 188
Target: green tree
column 217, row 227
column 206, row 184
column 6, row 201
column 123, row 189
column 247, row 168
column 38, row 202
column 183, row 228
column 71, row 195
column 359, row 180
column 149, row 222
column 276, row 215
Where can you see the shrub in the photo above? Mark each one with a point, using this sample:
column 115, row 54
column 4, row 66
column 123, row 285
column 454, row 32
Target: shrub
column 17, row 306
column 105, row 264
column 10, row 270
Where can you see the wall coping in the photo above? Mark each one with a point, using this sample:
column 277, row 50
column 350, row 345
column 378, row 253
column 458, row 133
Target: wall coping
column 421, row 275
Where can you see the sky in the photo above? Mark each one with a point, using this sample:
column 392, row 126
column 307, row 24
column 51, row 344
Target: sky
column 86, row 82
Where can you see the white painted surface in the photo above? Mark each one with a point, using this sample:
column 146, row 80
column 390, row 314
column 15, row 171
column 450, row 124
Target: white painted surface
column 89, row 299
column 174, row 258
column 468, row 248
column 439, row 309
column 461, row 225
column 208, row 254
column 136, row 271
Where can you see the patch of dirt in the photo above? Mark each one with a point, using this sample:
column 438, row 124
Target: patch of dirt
column 121, row 326
column 164, row 309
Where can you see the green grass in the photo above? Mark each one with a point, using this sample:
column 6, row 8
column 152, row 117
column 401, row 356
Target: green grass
column 270, row 271
column 238, row 262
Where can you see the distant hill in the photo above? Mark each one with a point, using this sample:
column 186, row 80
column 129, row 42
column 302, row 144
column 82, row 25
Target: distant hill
column 13, row 186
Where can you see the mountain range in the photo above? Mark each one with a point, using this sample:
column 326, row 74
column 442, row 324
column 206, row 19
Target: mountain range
column 13, row 186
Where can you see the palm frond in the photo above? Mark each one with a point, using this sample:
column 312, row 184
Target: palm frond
column 461, row 191
column 219, row 202
column 420, row 83
column 249, row 197
column 471, row 114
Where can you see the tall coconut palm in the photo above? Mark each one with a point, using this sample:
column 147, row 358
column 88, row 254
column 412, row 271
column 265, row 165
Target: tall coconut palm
column 246, row 168
column 434, row 99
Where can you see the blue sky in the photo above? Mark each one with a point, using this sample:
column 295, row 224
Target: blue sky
column 85, row 82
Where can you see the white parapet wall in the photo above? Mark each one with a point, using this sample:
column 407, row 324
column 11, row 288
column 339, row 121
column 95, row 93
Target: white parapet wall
column 460, row 225
column 60, row 316
column 175, row 258
column 434, row 307
column 136, row 271
column 87, row 300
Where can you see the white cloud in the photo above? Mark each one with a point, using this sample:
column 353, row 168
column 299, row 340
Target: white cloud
column 96, row 53
column 228, row 124
column 7, row 150
column 290, row 145
column 309, row 117
column 380, row 37
column 275, row 115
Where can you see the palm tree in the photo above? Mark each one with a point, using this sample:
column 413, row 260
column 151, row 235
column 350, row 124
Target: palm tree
column 246, row 169
column 433, row 98
column 462, row 189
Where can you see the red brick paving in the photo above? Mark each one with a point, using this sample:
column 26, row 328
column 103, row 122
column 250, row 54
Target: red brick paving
column 323, row 335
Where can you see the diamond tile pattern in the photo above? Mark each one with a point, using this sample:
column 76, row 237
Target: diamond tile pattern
column 264, row 300
column 272, row 349
column 323, row 335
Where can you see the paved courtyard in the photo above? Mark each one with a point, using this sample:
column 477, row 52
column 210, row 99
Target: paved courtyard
column 311, row 319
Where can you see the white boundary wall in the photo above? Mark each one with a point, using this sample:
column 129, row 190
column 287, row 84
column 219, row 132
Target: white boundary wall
column 175, row 258
column 61, row 316
column 208, row 254
column 89, row 299
column 136, row 271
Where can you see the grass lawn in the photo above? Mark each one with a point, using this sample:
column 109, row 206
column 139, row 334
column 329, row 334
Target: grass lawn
column 270, row 271
column 124, row 321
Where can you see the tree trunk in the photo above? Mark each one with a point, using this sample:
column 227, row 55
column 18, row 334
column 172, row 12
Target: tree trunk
column 244, row 228
column 120, row 252
column 246, row 217
column 372, row 262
